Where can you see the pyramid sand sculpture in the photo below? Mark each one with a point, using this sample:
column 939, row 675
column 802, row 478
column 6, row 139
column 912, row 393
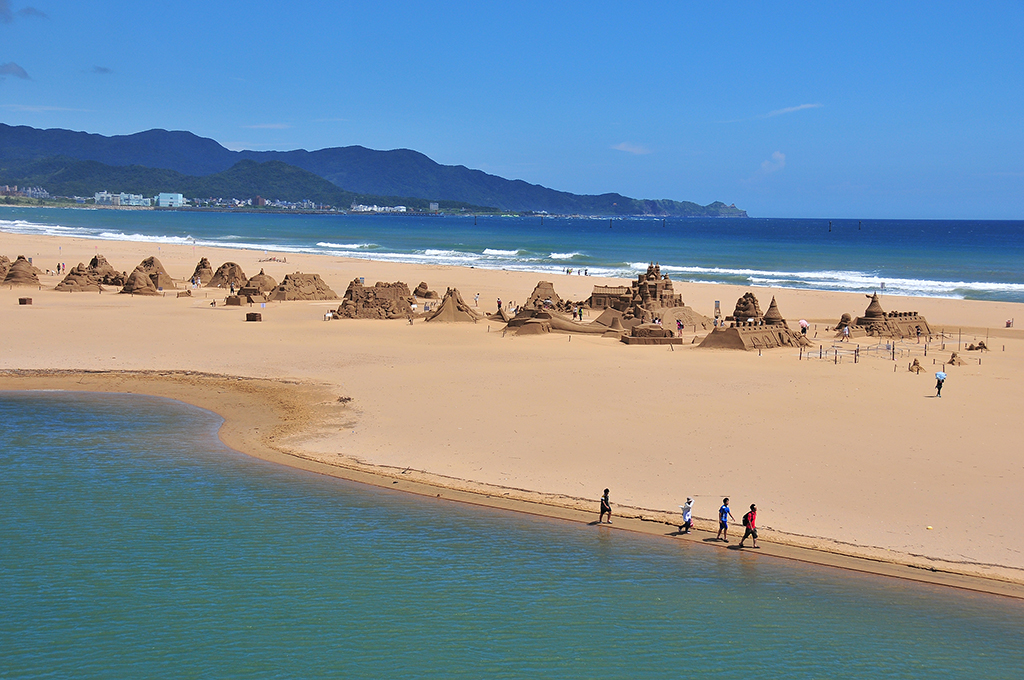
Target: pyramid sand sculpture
column 105, row 272
column 21, row 273
column 139, row 283
column 152, row 268
column 543, row 294
column 227, row 274
column 299, row 286
column 763, row 332
column 203, row 271
column 80, row 279
column 453, row 309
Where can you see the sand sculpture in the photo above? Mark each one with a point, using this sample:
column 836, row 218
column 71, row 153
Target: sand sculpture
column 543, row 296
column 80, row 279
column 203, row 272
column 533, row 321
column 139, row 283
column 453, row 309
column 227, row 274
column 257, row 289
column 380, row 301
column 650, row 291
column 422, row 292
column 5, row 264
column 650, row 334
column 105, row 272
column 299, row 286
column 152, row 268
column 762, row 332
column 980, row 347
column 916, row 367
column 21, row 273
column 877, row 322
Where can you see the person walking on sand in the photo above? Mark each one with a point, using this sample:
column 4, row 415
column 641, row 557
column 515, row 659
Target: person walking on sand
column 476, row 300
column 938, row 386
column 606, row 508
column 687, row 516
column 724, row 515
column 750, row 523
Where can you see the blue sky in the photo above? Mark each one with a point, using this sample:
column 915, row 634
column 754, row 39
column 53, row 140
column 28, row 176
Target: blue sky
column 859, row 110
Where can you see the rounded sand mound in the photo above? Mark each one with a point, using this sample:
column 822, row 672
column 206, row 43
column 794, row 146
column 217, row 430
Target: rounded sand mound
column 22, row 273
column 227, row 274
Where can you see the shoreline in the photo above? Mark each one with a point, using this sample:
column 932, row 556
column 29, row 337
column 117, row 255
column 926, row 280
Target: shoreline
column 848, row 462
column 260, row 401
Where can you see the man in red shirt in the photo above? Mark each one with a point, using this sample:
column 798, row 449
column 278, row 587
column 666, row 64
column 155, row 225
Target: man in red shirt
column 750, row 522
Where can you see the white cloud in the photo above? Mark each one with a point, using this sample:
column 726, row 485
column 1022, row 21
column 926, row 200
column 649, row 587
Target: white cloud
column 791, row 109
column 268, row 126
column 774, row 164
column 634, row 149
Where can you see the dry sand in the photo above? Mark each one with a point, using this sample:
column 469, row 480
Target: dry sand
column 851, row 458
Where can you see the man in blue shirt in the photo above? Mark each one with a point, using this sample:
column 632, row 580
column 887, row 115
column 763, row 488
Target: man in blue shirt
column 724, row 515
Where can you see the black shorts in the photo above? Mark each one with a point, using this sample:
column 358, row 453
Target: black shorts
column 750, row 532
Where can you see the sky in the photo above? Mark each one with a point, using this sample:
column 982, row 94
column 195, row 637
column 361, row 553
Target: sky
column 797, row 109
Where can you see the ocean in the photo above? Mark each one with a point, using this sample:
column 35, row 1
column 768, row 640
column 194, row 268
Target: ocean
column 134, row 544
column 978, row 260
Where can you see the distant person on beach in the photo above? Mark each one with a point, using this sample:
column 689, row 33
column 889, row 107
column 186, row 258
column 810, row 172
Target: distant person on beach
column 499, row 304
column 724, row 515
column 750, row 524
column 846, row 333
column 606, row 508
column 476, row 300
column 687, row 516
column 938, row 386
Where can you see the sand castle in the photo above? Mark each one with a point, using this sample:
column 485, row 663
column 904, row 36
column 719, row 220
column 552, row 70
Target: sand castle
column 21, row 273
column 203, row 272
column 649, row 292
column 227, row 274
column 650, row 334
column 380, row 301
column 453, row 309
column 256, row 289
column 422, row 292
column 299, row 286
column 877, row 322
column 750, row 330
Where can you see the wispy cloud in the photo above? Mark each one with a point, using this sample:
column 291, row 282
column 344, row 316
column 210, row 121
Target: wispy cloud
column 7, row 15
column 268, row 126
column 634, row 149
column 791, row 109
column 103, row 70
column 12, row 69
column 777, row 112
column 28, row 108
column 774, row 164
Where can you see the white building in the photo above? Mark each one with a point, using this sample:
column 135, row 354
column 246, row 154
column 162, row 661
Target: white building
column 170, row 201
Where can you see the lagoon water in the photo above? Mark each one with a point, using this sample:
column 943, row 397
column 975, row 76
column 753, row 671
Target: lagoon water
column 134, row 544
column 938, row 258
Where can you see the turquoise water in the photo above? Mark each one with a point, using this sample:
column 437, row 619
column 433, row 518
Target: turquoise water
column 936, row 258
column 134, row 544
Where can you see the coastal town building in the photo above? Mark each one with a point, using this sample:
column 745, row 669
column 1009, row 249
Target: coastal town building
column 360, row 208
column 170, row 201
column 121, row 199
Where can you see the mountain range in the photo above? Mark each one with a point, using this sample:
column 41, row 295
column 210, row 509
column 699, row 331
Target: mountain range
column 198, row 166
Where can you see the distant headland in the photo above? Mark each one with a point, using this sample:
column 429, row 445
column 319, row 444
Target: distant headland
column 70, row 163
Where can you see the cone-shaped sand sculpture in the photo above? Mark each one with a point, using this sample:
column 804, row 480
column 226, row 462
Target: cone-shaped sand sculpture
column 80, row 279
column 261, row 283
column 5, row 264
column 299, row 286
column 543, row 295
column 21, row 273
column 105, row 272
column 203, row 271
column 773, row 317
column 152, row 268
column 453, row 309
column 139, row 283
column 227, row 274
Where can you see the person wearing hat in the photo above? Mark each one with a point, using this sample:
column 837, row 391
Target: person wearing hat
column 750, row 523
column 687, row 516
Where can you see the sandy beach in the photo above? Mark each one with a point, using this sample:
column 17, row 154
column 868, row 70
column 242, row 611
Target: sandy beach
column 842, row 458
